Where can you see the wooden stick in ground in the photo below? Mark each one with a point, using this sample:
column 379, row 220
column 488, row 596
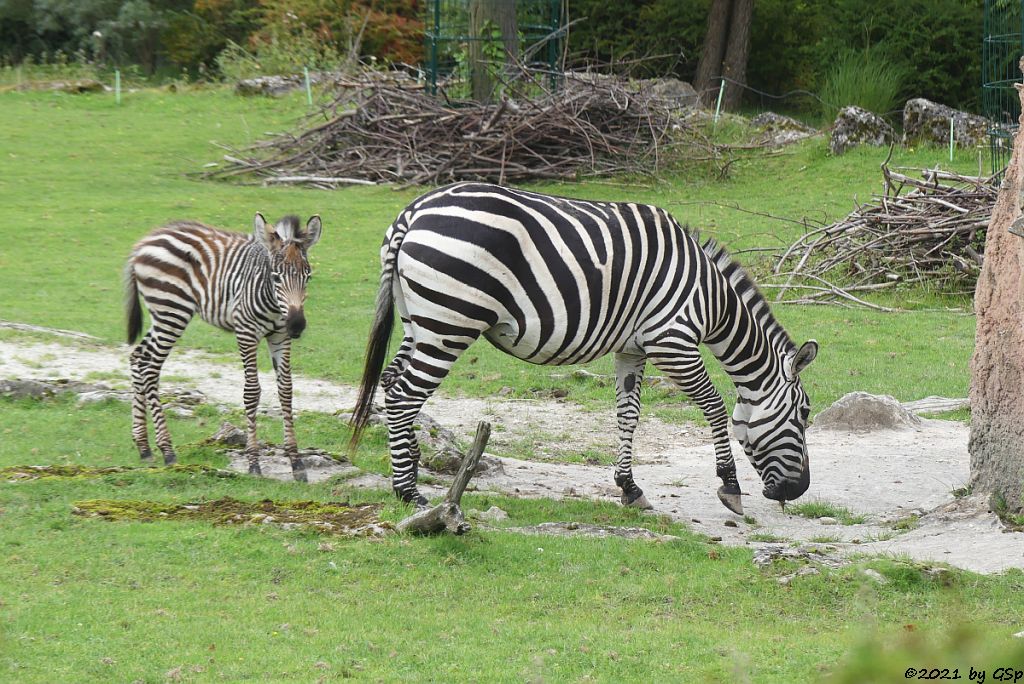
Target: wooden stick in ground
column 447, row 515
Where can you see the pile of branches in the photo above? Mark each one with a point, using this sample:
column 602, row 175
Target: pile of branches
column 382, row 130
column 920, row 230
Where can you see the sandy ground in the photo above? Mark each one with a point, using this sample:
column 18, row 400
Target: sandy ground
column 888, row 475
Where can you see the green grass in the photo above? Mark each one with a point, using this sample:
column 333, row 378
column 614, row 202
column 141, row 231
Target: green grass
column 824, row 509
column 88, row 600
column 119, row 171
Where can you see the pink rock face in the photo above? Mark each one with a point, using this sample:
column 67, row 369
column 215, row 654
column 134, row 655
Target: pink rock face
column 997, row 367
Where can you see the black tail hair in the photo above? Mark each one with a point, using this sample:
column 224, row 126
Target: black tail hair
column 132, row 307
column 376, row 352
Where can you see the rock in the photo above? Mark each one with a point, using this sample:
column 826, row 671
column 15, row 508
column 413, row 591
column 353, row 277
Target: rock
column 855, row 126
column 859, row 411
column 571, row 529
column 778, row 130
column 228, row 435
column 805, row 571
column 72, row 87
column 493, row 514
column 275, row 86
column 825, row 520
column 677, row 94
column 927, row 121
column 44, row 389
column 874, row 576
column 96, row 396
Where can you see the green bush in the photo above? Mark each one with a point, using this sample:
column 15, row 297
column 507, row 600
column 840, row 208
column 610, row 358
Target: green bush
column 283, row 53
column 867, row 79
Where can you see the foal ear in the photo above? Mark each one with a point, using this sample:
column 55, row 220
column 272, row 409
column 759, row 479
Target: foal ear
column 804, row 355
column 311, row 235
column 263, row 232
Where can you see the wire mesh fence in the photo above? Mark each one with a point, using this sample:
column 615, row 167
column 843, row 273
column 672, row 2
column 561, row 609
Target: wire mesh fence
column 1002, row 48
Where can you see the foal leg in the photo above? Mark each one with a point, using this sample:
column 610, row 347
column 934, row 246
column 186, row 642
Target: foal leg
column 148, row 362
column 140, row 436
column 684, row 366
column 247, row 342
column 280, row 355
column 629, row 374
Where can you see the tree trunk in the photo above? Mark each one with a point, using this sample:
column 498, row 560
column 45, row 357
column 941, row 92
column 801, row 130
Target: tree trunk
column 997, row 367
column 737, row 51
column 487, row 17
column 709, row 68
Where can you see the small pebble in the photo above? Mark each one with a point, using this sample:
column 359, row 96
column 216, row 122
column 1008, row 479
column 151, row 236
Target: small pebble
column 825, row 520
column 730, row 523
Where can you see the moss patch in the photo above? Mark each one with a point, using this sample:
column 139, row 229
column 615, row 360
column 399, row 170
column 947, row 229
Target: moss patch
column 328, row 517
column 41, row 472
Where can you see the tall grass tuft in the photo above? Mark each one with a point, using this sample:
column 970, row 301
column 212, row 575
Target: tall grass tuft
column 866, row 78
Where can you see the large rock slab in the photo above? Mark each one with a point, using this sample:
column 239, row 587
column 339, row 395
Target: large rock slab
column 855, row 126
column 927, row 121
column 860, row 411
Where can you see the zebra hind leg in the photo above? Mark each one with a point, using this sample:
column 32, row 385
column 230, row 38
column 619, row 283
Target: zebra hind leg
column 428, row 364
column 140, row 433
column 156, row 346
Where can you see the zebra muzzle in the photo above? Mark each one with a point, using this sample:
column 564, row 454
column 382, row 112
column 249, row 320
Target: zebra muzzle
column 295, row 324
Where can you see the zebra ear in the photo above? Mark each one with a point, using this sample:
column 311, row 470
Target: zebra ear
column 263, row 232
column 804, row 355
column 312, row 233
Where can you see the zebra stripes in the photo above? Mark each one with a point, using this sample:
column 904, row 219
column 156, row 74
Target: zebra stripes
column 552, row 280
column 253, row 286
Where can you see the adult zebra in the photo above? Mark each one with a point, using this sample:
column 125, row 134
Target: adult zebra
column 253, row 286
column 552, row 280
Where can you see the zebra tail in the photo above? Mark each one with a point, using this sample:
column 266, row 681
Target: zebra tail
column 133, row 309
column 376, row 352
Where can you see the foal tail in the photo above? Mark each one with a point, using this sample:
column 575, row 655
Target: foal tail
column 380, row 336
column 132, row 307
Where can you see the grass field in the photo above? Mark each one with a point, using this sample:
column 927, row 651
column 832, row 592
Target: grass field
column 84, row 179
column 87, row 600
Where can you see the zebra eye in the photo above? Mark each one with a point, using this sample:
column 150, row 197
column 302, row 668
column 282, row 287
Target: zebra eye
column 275, row 276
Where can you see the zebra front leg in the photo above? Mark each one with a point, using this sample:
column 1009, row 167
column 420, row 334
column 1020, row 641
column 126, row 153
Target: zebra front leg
column 686, row 369
column 280, row 356
column 251, row 397
column 629, row 375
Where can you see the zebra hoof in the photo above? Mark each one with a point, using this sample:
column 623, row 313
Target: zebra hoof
column 145, row 454
column 299, row 474
column 170, row 459
column 730, row 498
column 414, row 497
column 254, row 469
column 640, row 502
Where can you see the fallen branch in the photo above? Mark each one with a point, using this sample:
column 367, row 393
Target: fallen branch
column 447, row 515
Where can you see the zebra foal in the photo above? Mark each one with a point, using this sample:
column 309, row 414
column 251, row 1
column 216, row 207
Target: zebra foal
column 253, row 286
column 553, row 280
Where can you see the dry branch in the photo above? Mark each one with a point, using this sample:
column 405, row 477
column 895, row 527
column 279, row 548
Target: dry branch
column 921, row 230
column 379, row 129
column 447, row 515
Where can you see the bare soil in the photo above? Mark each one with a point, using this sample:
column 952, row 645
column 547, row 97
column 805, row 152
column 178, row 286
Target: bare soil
column 890, row 476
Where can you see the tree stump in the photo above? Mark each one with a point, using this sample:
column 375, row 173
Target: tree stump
column 447, row 515
column 997, row 367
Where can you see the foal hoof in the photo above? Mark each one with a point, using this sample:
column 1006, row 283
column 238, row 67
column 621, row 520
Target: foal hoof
column 730, row 498
column 640, row 502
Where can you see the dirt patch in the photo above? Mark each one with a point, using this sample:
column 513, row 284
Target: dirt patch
column 326, row 517
column 863, row 411
column 888, row 475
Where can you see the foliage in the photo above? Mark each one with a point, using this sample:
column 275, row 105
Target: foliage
column 867, row 79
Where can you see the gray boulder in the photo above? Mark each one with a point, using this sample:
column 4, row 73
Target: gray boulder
column 860, row 411
column 777, row 130
column 855, row 126
column 927, row 121
column 675, row 93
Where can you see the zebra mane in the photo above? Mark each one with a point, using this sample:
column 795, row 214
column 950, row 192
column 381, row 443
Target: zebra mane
column 288, row 227
column 747, row 290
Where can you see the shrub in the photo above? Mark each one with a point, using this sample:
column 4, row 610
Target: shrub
column 867, row 79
